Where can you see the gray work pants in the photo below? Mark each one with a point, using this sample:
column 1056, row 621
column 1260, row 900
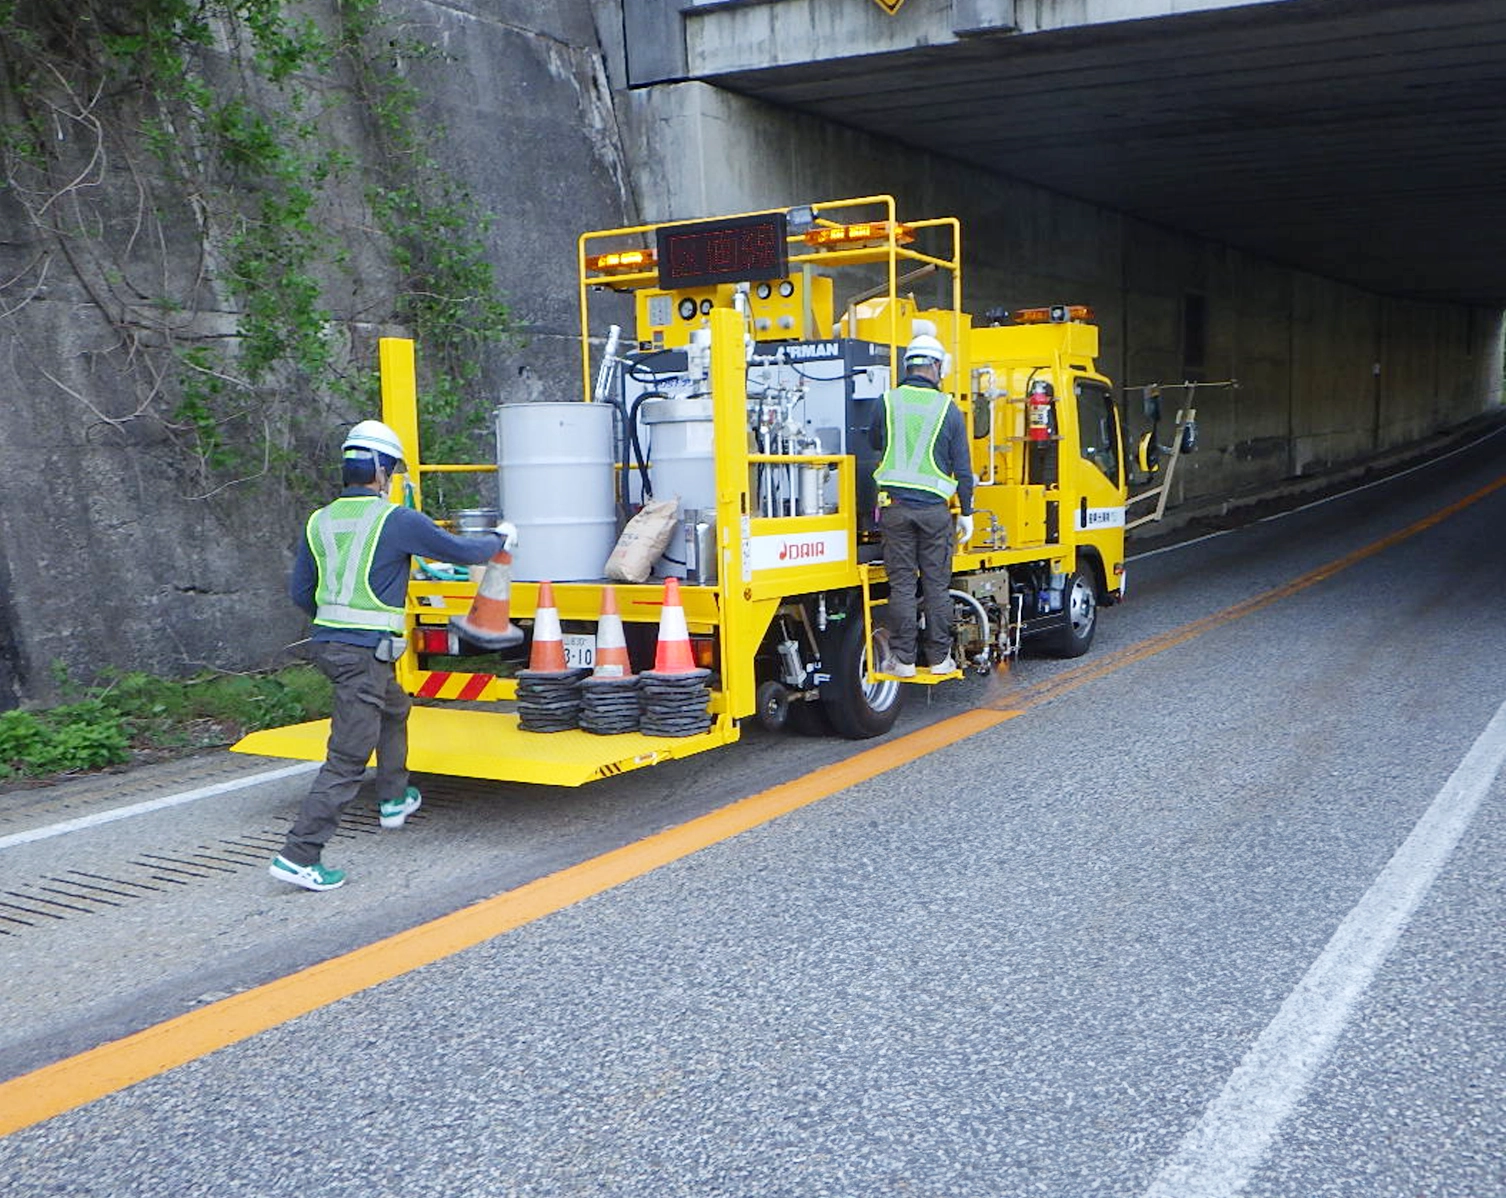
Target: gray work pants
column 370, row 715
column 918, row 539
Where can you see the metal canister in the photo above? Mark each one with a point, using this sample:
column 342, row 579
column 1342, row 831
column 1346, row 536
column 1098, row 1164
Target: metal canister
column 470, row 522
column 699, row 530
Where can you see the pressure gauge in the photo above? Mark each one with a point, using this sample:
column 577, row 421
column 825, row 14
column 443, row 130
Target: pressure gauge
column 687, row 308
column 787, row 289
column 706, row 307
column 763, row 291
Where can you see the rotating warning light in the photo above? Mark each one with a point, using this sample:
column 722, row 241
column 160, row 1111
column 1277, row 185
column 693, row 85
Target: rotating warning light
column 622, row 262
column 873, row 232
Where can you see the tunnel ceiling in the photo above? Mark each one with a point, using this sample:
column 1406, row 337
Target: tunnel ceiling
column 1364, row 140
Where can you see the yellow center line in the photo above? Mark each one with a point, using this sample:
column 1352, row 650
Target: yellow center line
column 75, row 1081
column 1069, row 680
column 79, row 1080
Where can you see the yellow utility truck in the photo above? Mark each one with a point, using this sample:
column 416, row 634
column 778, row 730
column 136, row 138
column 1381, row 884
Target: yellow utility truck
column 760, row 345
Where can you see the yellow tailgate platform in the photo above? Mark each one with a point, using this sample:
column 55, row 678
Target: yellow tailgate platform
column 489, row 744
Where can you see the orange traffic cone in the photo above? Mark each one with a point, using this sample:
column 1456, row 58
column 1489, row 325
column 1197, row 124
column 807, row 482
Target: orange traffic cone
column 673, row 654
column 488, row 623
column 675, row 695
column 548, row 653
column 611, row 645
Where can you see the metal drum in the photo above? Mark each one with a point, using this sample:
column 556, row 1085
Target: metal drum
column 555, row 476
column 682, row 453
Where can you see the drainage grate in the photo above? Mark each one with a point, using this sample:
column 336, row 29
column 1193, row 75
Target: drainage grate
column 74, row 892
column 85, row 894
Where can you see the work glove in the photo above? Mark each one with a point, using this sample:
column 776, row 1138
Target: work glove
column 509, row 534
column 964, row 529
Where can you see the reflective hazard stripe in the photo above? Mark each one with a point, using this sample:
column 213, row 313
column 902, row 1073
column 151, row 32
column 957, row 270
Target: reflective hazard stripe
column 358, row 617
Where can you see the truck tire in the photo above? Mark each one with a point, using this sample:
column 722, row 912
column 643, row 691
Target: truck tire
column 1080, row 598
column 857, row 710
column 773, row 699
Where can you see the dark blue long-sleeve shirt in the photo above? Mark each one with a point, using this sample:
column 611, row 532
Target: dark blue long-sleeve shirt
column 406, row 534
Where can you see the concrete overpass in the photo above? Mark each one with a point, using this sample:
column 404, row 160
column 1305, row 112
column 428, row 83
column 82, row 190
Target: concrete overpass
column 1361, row 140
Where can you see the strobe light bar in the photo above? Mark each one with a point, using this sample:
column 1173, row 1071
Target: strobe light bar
column 1054, row 314
column 872, row 232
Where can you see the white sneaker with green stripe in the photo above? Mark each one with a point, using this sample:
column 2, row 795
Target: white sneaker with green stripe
column 310, row 877
column 394, row 812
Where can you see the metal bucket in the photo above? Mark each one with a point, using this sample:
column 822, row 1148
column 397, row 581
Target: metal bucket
column 555, row 480
column 471, row 521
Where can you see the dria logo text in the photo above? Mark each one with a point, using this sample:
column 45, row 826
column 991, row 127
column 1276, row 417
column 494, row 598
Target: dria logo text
column 800, row 551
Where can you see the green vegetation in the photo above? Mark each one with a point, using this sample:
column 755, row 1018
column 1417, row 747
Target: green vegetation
column 132, row 716
column 228, row 126
column 435, row 228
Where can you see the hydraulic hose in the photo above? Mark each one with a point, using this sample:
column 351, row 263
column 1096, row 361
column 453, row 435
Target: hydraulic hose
column 632, row 432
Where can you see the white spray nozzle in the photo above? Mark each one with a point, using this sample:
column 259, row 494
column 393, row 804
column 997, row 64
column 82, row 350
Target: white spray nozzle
column 608, row 363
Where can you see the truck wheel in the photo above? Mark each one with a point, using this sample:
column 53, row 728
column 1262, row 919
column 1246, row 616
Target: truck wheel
column 1081, row 599
column 857, row 710
column 773, row 700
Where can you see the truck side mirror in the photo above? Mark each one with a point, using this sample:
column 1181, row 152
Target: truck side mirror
column 1148, row 454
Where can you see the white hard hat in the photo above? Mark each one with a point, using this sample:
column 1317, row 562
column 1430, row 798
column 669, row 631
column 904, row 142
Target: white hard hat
column 923, row 345
column 376, row 437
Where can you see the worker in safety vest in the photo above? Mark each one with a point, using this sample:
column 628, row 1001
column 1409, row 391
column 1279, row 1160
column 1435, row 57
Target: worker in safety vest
column 351, row 576
column 925, row 462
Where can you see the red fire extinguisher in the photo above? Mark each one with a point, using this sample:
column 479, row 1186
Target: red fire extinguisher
column 1038, row 411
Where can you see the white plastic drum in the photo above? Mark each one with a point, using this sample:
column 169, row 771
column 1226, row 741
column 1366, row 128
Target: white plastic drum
column 555, row 475
column 682, row 453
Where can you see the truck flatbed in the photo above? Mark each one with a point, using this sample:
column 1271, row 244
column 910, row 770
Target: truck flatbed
column 489, row 744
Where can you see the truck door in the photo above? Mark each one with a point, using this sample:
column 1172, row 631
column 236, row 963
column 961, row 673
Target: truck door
column 1100, row 500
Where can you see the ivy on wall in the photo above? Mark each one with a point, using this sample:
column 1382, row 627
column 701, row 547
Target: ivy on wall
column 184, row 165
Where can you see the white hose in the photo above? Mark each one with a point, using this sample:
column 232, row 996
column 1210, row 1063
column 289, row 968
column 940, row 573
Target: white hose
column 964, row 597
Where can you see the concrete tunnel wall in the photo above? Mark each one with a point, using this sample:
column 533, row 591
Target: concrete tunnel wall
column 530, row 113
column 1328, row 375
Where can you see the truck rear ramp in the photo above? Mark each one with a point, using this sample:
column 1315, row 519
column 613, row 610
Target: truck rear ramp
column 489, row 744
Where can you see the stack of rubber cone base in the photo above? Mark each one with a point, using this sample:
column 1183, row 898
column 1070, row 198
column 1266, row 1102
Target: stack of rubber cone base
column 609, row 698
column 548, row 690
column 675, row 694
column 549, row 704
column 675, row 704
column 609, row 706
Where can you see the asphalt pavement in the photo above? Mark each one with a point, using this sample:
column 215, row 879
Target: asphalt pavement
column 1040, row 960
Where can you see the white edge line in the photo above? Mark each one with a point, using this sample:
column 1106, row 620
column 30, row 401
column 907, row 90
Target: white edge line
column 1219, row 1154
column 187, row 796
column 1319, row 502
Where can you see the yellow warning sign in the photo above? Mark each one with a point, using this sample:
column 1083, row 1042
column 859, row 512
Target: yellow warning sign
column 889, row 6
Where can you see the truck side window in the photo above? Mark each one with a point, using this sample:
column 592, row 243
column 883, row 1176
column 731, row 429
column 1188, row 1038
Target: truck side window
column 1098, row 431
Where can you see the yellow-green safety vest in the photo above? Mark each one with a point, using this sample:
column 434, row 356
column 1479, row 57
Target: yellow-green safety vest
column 343, row 538
column 913, row 419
